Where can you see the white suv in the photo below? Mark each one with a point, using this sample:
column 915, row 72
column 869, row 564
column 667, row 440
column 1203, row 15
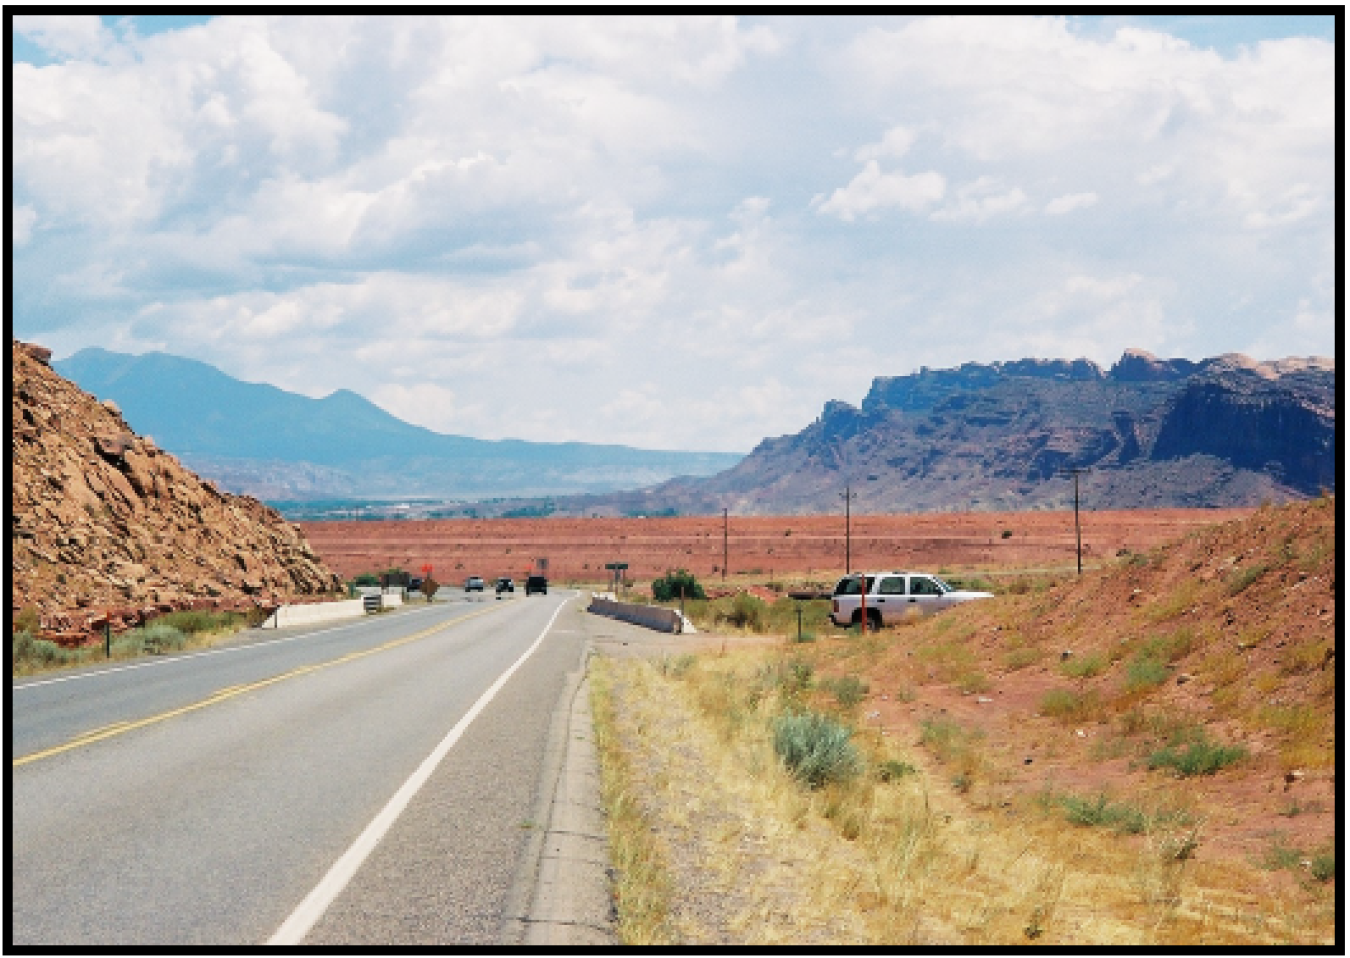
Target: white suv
column 893, row 595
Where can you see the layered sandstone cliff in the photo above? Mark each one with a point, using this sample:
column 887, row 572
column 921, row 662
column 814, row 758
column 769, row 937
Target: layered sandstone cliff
column 105, row 525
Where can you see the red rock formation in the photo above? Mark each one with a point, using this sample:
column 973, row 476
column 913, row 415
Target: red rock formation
column 108, row 528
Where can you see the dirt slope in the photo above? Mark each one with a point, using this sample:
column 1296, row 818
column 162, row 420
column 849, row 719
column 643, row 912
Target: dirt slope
column 1226, row 635
column 106, row 525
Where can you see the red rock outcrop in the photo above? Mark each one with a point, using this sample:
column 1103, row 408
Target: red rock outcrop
column 106, row 527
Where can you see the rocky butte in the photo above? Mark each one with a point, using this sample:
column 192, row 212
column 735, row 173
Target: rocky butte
column 107, row 527
column 1228, row 431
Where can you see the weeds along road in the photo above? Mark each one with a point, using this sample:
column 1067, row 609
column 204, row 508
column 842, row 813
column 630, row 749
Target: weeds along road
column 236, row 796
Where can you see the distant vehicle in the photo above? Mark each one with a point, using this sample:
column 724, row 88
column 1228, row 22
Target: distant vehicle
column 893, row 595
column 536, row 583
column 505, row 585
column 473, row 584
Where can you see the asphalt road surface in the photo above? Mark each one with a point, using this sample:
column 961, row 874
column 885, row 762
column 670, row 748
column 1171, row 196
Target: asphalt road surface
column 229, row 797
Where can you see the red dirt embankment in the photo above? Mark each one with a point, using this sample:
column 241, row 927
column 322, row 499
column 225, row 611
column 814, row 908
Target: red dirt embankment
column 759, row 546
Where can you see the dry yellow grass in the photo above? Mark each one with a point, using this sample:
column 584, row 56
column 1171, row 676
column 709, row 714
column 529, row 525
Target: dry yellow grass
column 755, row 859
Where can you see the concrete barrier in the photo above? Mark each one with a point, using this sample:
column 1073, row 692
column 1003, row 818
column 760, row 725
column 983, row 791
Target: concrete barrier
column 314, row 612
column 653, row 617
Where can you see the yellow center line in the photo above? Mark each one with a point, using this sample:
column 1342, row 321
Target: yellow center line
column 100, row 730
column 233, row 691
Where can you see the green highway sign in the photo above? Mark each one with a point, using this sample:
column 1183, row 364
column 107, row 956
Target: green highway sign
column 616, row 565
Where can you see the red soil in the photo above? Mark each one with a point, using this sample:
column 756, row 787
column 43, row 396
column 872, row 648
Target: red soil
column 762, row 547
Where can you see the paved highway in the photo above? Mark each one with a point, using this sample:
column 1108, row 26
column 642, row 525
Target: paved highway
column 364, row 783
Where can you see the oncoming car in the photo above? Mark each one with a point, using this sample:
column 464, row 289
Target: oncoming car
column 473, row 584
column 891, row 596
column 504, row 584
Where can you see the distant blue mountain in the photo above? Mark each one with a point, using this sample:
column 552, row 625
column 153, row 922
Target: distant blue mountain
column 264, row 441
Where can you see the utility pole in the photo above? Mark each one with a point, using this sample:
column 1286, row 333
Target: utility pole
column 848, row 496
column 724, row 543
column 1076, row 471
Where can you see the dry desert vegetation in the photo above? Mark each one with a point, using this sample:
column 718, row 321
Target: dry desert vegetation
column 1143, row 756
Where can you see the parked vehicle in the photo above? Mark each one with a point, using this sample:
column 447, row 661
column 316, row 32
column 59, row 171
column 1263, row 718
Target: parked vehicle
column 473, row 584
column 893, row 595
column 536, row 583
column 505, row 585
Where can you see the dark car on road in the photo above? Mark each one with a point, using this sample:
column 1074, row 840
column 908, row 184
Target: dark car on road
column 536, row 583
column 505, row 585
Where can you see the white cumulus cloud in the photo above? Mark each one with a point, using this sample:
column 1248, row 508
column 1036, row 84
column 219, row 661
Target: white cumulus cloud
column 872, row 190
column 1070, row 202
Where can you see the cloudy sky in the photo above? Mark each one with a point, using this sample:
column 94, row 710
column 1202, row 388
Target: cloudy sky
column 683, row 232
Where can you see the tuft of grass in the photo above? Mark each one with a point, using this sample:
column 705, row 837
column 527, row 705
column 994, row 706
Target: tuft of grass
column 1173, row 604
column 1119, row 816
column 1070, row 706
column 949, row 662
column 848, row 690
column 972, row 681
column 890, row 770
column 1144, row 672
column 816, row 749
column 1324, row 865
column 1279, row 855
column 1085, row 666
column 1197, row 757
column 1243, row 578
column 675, row 666
column 1021, row 658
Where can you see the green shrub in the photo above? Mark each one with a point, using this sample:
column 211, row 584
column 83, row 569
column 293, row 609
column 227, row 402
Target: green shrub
column 128, row 644
column 366, row 578
column 1198, row 757
column 196, row 621
column 669, row 587
column 815, row 749
column 746, row 612
column 1080, row 811
column 28, row 651
column 158, row 637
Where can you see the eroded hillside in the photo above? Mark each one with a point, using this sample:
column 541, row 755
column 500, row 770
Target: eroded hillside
column 106, row 524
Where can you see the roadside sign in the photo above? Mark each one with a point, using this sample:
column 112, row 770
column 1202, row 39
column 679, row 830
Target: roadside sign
column 616, row 565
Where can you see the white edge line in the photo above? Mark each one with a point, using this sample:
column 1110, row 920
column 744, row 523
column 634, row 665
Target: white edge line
column 315, row 904
column 186, row 658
